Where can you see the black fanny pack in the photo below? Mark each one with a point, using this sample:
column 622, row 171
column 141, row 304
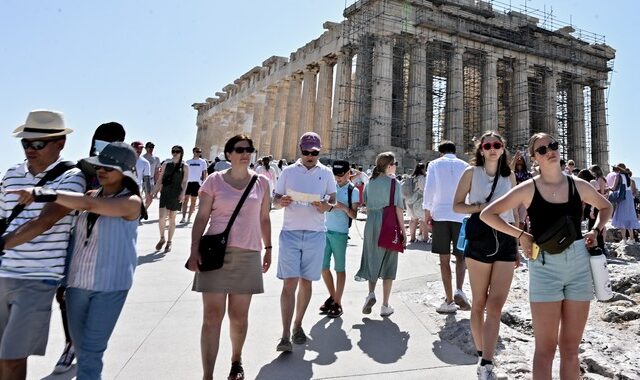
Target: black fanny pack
column 559, row 236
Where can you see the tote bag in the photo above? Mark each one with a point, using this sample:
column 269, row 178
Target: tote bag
column 391, row 232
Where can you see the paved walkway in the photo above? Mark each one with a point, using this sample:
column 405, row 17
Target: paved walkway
column 157, row 336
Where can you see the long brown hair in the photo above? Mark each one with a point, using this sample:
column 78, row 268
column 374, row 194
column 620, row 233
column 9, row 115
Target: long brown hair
column 382, row 162
column 478, row 160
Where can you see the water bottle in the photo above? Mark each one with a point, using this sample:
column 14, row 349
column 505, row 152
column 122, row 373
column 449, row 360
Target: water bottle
column 600, row 273
column 461, row 244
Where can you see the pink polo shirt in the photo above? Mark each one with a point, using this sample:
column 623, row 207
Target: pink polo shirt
column 245, row 232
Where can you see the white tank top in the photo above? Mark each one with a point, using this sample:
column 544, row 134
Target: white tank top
column 481, row 187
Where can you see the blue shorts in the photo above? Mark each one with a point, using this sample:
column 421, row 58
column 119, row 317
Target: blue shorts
column 301, row 254
column 336, row 246
column 564, row 276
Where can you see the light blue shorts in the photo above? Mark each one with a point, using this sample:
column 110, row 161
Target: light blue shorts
column 336, row 246
column 301, row 254
column 563, row 276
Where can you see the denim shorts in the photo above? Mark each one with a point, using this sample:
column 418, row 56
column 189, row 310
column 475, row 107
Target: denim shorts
column 301, row 254
column 563, row 276
column 336, row 246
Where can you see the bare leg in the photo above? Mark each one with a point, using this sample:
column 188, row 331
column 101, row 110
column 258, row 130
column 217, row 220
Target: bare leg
column 445, row 272
column 172, row 224
column 479, row 278
column 288, row 304
column 213, row 313
column 192, row 207
column 13, row 369
column 501, row 277
column 238, row 323
column 546, row 322
column 423, row 229
column 328, row 281
column 302, row 301
column 461, row 268
column 341, row 278
column 372, row 286
column 162, row 221
column 386, row 291
column 574, row 318
column 413, row 223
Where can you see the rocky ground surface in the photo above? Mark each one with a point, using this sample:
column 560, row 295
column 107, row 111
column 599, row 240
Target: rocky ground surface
column 610, row 347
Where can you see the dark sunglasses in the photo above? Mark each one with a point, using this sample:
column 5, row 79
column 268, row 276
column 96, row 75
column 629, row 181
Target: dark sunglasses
column 35, row 144
column 496, row 145
column 176, row 151
column 542, row 150
column 394, row 163
column 244, row 149
column 310, row 152
column 106, row 169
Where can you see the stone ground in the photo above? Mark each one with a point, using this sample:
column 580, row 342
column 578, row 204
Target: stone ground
column 157, row 336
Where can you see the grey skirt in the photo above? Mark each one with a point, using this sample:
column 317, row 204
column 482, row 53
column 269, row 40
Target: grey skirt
column 240, row 274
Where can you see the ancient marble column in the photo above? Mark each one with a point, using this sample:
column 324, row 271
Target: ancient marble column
column 428, row 142
column 360, row 114
column 277, row 138
column 256, row 127
column 226, row 124
column 550, row 102
column 577, row 149
column 489, row 91
column 341, row 100
column 322, row 123
column 268, row 115
column 454, row 128
column 290, row 143
column 520, row 129
column 599, row 133
column 417, row 100
column 307, row 107
column 381, row 92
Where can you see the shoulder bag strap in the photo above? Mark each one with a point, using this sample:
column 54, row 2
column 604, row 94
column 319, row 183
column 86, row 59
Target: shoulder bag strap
column 493, row 187
column 392, row 194
column 239, row 206
column 49, row 176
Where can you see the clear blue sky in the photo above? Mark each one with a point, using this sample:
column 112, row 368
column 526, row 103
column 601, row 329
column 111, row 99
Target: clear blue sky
column 143, row 63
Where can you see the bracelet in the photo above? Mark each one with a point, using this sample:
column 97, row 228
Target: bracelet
column 268, row 247
column 598, row 231
column 519, row 236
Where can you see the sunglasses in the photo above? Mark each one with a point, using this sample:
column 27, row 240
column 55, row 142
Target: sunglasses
column 35, row 144
column 394, row 163
column 542, row 150
column 310, row 152
column 106, row 169
column 176, row 151
column 496, row 145
column 244, row 149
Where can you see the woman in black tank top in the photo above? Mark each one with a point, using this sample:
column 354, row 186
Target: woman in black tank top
column 562, row 288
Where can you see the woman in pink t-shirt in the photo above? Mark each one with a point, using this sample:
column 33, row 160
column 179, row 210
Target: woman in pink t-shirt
column 241, row 275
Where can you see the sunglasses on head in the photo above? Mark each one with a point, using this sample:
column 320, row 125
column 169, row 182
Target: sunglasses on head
column 244, row 149
column 35, row 144
column 310, row 152
column 106, row 169
column 542, row 150
column 495, row 145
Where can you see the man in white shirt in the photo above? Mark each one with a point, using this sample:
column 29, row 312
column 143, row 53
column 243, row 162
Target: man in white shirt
column 302, row 239
column 443, row 175
column 154, row 167
column 197, row 174
column 143, row 171
column 34, row 247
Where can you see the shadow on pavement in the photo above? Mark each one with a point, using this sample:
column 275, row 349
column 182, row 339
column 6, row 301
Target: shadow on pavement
column 152, row 257
column 456, row 344
column 288, row 366
column 328, row 338
column 382, row 340
column 70, row 374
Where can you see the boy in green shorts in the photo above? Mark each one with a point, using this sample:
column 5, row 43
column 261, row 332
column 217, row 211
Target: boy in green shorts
column 338, row 220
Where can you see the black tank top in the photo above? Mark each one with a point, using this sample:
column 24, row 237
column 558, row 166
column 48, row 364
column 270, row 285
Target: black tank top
column 543, row 214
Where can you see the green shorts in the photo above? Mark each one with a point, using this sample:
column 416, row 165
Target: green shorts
column 336, row 245
column 563, row 276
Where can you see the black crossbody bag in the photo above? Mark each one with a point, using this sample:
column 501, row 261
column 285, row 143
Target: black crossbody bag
column 212, row 247
column 476, row 229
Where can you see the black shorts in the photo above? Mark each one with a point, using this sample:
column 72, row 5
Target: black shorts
column 485, row 250
column 444, row 235
column 192, row 189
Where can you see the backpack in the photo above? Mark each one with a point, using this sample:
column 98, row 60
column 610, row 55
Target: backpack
column 349, row 202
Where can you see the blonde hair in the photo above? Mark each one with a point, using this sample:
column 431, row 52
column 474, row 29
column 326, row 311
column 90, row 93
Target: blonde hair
column 382, row 163
column 534, row 138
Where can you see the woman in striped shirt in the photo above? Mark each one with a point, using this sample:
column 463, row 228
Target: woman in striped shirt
column 104, row 255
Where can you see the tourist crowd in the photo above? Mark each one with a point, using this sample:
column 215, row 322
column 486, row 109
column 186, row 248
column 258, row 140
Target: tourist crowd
column 68, row 230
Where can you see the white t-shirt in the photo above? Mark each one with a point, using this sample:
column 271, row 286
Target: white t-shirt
column 154, row 162
column 443, row 175
column 143, row 168
column 317, row 180
column 196, row 167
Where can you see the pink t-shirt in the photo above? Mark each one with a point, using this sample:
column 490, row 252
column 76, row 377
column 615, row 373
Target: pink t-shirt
column 245, row 232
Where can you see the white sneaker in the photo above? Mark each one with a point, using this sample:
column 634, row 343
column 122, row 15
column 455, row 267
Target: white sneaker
column 386, row 311
column 368, row 303
column 461, row 300
column 485, row 372
column 447, row 308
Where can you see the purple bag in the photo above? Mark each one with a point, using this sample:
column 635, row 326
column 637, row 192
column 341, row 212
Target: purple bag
column 391, row 237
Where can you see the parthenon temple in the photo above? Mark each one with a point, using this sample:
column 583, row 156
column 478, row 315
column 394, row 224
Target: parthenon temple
column 403, row 75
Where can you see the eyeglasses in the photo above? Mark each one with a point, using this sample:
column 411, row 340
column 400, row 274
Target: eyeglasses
column 310, row 152
column 542, row 150
column 34, row 144
column 496, row 145
column 176, row 151
column 106, row 169
column 244, row 149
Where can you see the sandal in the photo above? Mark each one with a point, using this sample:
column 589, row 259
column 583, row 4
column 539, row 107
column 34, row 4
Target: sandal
column 167, row 248
column 160, row 244
column 237, row 372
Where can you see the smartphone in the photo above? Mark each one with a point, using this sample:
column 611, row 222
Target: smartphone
column 535, row 250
